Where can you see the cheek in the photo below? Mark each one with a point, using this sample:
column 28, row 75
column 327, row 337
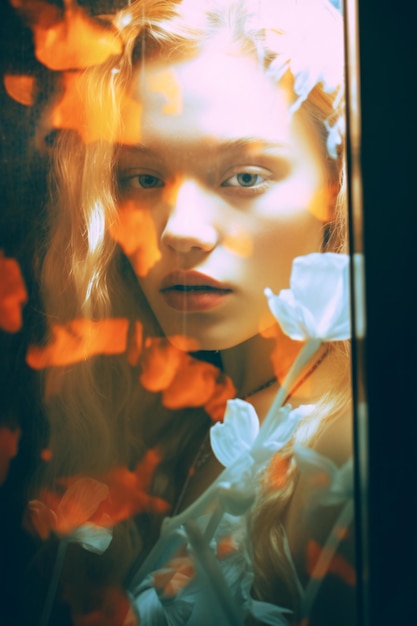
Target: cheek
column 275, row 248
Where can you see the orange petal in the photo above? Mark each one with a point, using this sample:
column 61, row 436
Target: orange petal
column 339, row 566
column 223, row 391
column 135, row 232
column 160, row 362
column 9, row 440
column 166, row 83
column 79, row 502
column 276, row 475
column 76, row 41
column 12, row 294
column 97, row 120
column 134, row 349
column 193, row 384
column 225, row 547
column 42, row 518
column 21, row 88
column 79, row 340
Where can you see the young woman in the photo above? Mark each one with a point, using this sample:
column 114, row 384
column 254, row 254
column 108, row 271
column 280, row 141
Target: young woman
column 208, row 157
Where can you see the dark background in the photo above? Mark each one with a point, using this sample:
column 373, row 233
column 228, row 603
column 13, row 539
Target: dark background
column 388, row 96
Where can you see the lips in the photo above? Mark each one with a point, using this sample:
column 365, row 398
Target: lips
column 193, row 291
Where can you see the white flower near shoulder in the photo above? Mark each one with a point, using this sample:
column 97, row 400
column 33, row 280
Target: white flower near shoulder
column 317, row 305
column 236, row 434
column 241, row 436
column 245, row 448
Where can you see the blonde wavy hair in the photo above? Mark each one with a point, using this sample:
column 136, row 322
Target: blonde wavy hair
column 98, row 404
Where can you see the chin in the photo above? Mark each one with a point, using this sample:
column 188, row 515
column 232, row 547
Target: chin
column 207, row 341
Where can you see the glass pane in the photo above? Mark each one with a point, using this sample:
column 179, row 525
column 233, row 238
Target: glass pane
column 176, row 437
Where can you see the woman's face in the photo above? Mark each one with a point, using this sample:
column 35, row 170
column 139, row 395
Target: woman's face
column 219, row 190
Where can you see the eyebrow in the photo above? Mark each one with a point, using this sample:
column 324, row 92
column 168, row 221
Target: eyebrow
column 222, row 146
column 245, row 143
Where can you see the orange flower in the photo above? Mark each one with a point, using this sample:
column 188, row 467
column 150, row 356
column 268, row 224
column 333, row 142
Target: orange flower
column 114, row 610
column 338, row 565
column 135, row 232
column 72, row 515
column 69, row 39
column 94, row 122
column 12, row 294
column 183, row 380
column 129, row 491
column 79, row 340
column 277, row 472
column 89, row 507
column 21, row 88
column 9, row 440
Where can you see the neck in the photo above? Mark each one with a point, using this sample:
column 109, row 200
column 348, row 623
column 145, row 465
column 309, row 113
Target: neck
column 256, row 361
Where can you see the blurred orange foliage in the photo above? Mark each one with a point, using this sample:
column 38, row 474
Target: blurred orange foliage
column 175, row 575
column 113, row 609
column 338, row 566
column 95, row 120
column 129, row 490
column 276, row 473
column 68, row 39
column 225, row 547
column 183, row 380
column 21, row 88
column 62, row 514
column 118, row 495
column 9, row 442
column 135, row 232
column 166, row 83
column 12, row 294
column 134, row 349
column 79, row 340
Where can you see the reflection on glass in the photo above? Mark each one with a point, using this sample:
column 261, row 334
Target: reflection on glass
column 194, row 287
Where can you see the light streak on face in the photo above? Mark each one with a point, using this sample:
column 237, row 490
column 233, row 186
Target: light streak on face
column 231, row 162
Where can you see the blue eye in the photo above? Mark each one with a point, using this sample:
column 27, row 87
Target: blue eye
column 248, row 180
column 147, row 181
column 244, row 179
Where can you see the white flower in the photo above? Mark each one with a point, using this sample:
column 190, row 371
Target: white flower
column 240, row 433
column 317, row 304
column 236, row 434
column 245, row 448
column 91, row 537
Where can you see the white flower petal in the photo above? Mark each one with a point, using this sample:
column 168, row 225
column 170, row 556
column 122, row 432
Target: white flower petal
column 237, row 432
column 278, row 433
column 287, row 311
column 91, row 537
column 317, row 305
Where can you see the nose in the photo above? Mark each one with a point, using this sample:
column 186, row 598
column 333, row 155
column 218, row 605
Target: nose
column 190, row 223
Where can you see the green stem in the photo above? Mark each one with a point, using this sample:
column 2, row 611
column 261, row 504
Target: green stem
column 306, row 353
column 50, row 596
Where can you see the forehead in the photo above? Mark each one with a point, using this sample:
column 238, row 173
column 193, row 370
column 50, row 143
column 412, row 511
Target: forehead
column 219, row 95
